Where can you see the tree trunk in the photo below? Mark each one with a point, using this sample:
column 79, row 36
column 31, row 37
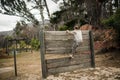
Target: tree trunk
column 47, row 8
column 94, row 12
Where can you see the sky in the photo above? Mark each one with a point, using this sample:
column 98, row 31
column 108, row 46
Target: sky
column 8, row 22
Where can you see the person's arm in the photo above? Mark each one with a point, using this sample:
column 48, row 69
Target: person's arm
column 70, row 32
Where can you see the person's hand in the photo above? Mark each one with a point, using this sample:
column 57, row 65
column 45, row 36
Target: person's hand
column 67, row 31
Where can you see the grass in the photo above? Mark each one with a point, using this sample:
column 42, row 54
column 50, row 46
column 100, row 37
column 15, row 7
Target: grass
column 27, row 63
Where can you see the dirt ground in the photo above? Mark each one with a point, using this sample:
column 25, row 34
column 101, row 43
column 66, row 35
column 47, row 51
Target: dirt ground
column 28, row 66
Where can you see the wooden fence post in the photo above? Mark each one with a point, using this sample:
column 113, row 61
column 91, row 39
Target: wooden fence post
column 15, row 66
column 42, row 53
column 92, row 49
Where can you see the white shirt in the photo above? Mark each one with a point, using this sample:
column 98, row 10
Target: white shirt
column 77, row 35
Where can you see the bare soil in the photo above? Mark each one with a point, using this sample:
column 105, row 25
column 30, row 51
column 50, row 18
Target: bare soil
column 29, row 68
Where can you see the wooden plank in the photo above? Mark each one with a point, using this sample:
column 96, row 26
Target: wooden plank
column 69, row 43
column 59, row 43
column 63, row 37
column 85, row 56
column 15, row 64
column 60, row 37
column 84, row 32
column 66, row 49
column 92, row 49
column 68, row 68
column 68, row 63
column 61, row 51
column 42, row 53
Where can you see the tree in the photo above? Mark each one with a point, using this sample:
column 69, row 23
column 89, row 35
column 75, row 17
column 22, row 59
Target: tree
column 20, row 26
column 24, row 30
column 87, row 11
column 114, row 22
column 21, row 9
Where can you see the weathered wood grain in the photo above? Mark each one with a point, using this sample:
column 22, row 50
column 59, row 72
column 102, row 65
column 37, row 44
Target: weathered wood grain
column 66, row 49
column 62, row 35
column 92, row 49
column 85, row 56
column 61, row 42
column 84, row 32
column 68, row 61
column 66, row 43
column 68, row 68
column 42, row 51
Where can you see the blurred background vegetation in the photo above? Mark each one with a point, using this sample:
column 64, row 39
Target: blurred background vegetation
column 102, row 15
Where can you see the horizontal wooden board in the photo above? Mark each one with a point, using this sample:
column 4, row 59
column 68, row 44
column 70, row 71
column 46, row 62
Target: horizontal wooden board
column 58, row 43
column 67, row 43
column 62, row 35
column 84, row 32
column 68, row 63
column 85, row 56
column 84, row 52
column 68, row 68
column 66, row 49
column 61, row 51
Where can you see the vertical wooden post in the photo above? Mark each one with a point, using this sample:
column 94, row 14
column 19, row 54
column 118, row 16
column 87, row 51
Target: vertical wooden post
column 7, row 47
column 92, row 49
column 42, row 51
column 16, row 45
column 15, row 66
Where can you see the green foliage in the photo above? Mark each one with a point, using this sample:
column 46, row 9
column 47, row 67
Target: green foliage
column 8, row 37
column 71, row 24
column 56, row 16
column 22, row 44
column 114, row 22
column 117, row 19
column 62, row 28
column 35, row 44
column 17, row 8
column 109, row 22
column 18, row 28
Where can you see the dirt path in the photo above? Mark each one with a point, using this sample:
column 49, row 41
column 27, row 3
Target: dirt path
column 28, row 66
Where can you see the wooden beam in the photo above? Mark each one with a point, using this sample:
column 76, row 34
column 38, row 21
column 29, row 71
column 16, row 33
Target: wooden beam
column 66, row 43
column 86, row 56
column 42, row 53
column 58, row 33
column 68, row 68
column 63, row 38
column 15, row 64
column 68, row 61
column 63, row 50
column 62, row 35
column 92, row 49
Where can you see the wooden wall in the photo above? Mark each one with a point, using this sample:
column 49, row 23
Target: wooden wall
column 59, row 42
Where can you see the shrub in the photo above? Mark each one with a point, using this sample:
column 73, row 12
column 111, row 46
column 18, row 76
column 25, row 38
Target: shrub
column 22, row 44
column 114, row 22
column 35, row 43
column 62, row 28
column 105, row 39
